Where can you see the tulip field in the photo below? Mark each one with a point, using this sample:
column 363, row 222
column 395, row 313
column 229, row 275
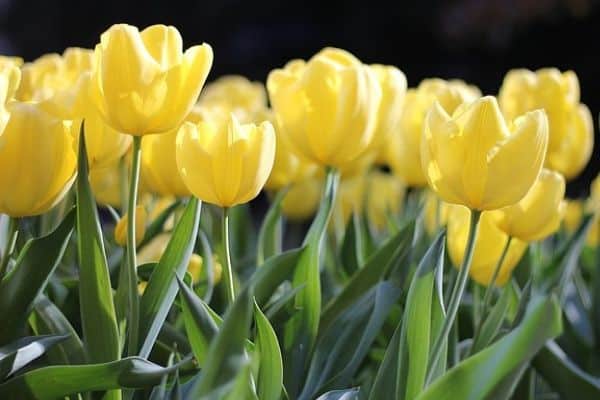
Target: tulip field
column 328, row 234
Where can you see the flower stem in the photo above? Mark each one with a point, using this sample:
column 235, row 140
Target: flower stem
column 228, row 276
column 456, row 296
column 133, row 299
column 11, row 240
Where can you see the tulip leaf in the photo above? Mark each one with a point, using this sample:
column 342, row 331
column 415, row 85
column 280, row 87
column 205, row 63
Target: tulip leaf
column 394, row 250
column 404, row 368
column 226, row 354
column 47, row 318
column 564, row 376
column 97, row 309
column 21, row 352
column 162, row 286
column 301, row 330
column 482, row 374
column 346, row 394
column 50, row 383
column 492, row 322
column 352, row 251
column 199, row 325
column 270, row 372
column 35, row 264
column 273, row 273
column 269, row 235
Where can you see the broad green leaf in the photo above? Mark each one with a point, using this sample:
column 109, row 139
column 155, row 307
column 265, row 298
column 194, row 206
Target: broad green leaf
column 157, row 225
column 162, row 286
column 243, row 387
column 36, row 262
column 48, row 319
column 394, row 249
column 21, row 352
column 269, row 235
column 96, row 306
column 270, row 372
column 480, row 375
column 226, row 353
column 347, row 394
column 301, row 330
column 199, row 325
column 492, row 323
column 273, row 273
column 51, row 383
column 386, row 382
column 564, row 376
column 352, row 251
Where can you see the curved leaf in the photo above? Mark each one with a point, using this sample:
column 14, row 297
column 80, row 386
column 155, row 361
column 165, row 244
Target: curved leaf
column 269, row 235
column 18, row 354
column 270, row 372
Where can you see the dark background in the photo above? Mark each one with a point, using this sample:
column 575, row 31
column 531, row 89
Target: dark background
column 476, row 40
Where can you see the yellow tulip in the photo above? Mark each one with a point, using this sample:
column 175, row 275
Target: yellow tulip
column 37, row 160
column 10, row 60
column 223, row 162
column 573, row 215
column 350, row 199
column 385, row 193
column 104, row 145
column 303, row 198
column 489, row 245
column 403, row 148
column 472, row 158
column 140, row 227
column 142, row 82
column 236, row 94
column 435, row 212
column 106, row 185
column 10, row 77
column 538, row 214
column 393, row 89
column 327, row 106
column 570, row 128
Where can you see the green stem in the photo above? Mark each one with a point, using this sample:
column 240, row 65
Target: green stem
column 11, row 240
column 457, row 293
column 228, row 276
column 133, row 298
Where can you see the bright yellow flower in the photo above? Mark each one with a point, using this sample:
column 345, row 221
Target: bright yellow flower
column 435, row 213
column 37, row 160
column 303, row 198
column 403, row 149
column 385, row 193
column 10, row 60
column 223, row 162
column 142, row 82
column 106, row 185
column 571, row 132
column 140, row 227
column 489, row 244
column 573, row 215
column 236, row 94
column 538, row 214
column 10, row 77
column 327, row 106
column 472, row 158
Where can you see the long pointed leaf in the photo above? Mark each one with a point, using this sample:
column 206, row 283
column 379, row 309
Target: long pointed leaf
column 270, row 372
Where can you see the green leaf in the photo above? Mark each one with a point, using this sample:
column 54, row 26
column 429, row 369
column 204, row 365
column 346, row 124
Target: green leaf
column 394, row 250
column 492, row 322
column 96, row 302
column 18, row 354
column 301, row 330
column 269, row 235
column 386, row 382
column 162, row 286
column 157, row 225
column 270, row 372
column 352, row 251
column 347, row 394
column 199, row 325
column 273, row 273
column 48, row 319
column 480, row 375
column 564, row 376
column 34, row 266
column 226, row 353
column 51, row 383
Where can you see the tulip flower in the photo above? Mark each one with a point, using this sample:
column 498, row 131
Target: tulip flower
column 106, row 185
column 120, row 232
column 302, row 199
column 573, row 215
column 571, row 132
column 225, row 163
column 351, row 199
column 237, row 95
column 490, row 244
column 385, row 193
column 403, row 148
column 538, row 214
column 327, row 106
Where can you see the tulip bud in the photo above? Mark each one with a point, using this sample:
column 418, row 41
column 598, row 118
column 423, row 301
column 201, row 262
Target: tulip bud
column 303, row 198
column 327, row 106
column 403, row 148
column 198, row 272
column 472, row 158
column 142, row 82
column 140, row 227
column 571, row 131
column 538, row 214
column 489, row 245
column 223, row 162
column 385, row 194
column 37, row 160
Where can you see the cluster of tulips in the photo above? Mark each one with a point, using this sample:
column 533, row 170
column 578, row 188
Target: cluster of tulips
column 391, row 179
